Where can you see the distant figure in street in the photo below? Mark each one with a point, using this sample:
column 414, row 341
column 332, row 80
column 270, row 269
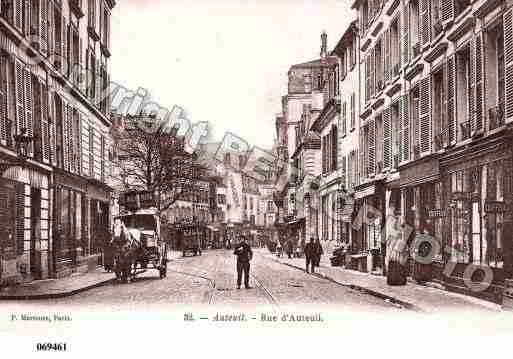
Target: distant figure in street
column 244, row 255
column 289, row 248
column 279, row 249
column 310, row 254
column 318, row 252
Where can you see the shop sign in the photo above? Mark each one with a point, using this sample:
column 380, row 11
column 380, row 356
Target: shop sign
column 495, row 207
column 461, row 196
column 437, row 213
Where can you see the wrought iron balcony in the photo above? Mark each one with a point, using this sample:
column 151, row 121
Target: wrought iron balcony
column 496, row 116
column 465, row 130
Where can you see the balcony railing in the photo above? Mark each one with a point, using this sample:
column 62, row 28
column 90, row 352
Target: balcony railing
column 465, row 130
column 496, row 116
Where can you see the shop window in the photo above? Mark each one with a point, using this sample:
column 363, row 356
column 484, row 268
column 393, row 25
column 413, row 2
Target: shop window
column 460, row 219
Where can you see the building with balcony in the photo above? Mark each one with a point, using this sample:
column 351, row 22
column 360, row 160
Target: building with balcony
column 54, row 76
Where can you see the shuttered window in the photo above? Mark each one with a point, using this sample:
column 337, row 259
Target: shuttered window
column 405, row 128
column 387, row 138
column 4, row 113
column 334, row 148
column 425, row 116
column 405, row 32
column 371, row 141
column 508, row 60
column 344, row 118
column 344, row 171
column 45, row 125
column 479, row 82
column 451, row 93
column 425, row 19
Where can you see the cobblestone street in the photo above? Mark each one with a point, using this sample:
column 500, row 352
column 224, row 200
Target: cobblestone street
column 210, row 279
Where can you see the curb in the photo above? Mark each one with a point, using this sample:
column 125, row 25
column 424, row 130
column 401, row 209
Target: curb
column 55, row 295
column 406, row 305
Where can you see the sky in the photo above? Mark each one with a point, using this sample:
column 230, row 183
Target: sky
column 223, row 61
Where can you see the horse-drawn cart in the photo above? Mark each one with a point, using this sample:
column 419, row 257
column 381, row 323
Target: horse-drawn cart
column 138, row 244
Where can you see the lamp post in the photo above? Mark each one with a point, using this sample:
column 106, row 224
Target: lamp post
column 22, row 142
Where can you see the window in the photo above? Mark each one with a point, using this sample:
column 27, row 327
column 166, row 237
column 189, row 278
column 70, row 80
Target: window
column 334, row 148
column 353, row 111
column 415, row 125
column 463, row 90
column 378, row 65
column 379, row 143
column 365, row 15
column 59, row 131
column 436, row 19
column 352, row 53
column 395, row 45
column 439, row 114
column 343, row 65
column 494, row 76
column 344, row 118
column 91, row 14
column 415, row 27
column 106, row 29
column 395, row 139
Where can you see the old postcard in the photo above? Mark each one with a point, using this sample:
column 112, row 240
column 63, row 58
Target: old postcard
column 188, row 176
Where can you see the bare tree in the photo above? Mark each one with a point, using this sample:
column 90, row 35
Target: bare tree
column 152, row 158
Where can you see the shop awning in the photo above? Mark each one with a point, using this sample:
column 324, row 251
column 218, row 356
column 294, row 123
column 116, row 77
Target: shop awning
column 419, row 173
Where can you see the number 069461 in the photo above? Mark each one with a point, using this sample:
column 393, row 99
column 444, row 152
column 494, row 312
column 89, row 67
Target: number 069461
column 58, row 347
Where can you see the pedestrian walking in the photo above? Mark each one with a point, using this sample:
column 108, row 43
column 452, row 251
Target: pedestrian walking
column 318, row 252
column 244, row 256
column 290, row 248
column 310, row 255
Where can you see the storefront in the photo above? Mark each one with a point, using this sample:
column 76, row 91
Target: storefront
column 369, row 208
column 477, row 188
column 24, row 224
column 420, row 203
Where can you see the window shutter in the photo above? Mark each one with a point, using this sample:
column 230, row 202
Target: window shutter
column 20, row 219
column 405, row 125
column 387, row 60
column 102, row 158
column 65, row 136
column 45, row 127
column 353, row 110
column 508, row 62
column 18, row 14
column 69, row 139
column 51, row 123
column 387, row 138
column 479, row 81
column 50, row 28
column 88, row 76
column 406, row 34
column 20, row 96
column 425, row 19
column 29, row 107
column 334, row 147
column 451, row 98
column 69, row 53
column 80, row 73
column 64, row 45
column 371, row 165
column 447, row 7
column 344, row 118
column 43, row 26
column 372, row 73
column 4, row 117
column 350, row 170
column 472, row 92
column 425, row 118
column 344, row 171
column 367, row 78
column 98, row 84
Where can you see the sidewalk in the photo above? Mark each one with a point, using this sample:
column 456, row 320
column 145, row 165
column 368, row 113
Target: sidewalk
column 413, row 296
column 64, row 287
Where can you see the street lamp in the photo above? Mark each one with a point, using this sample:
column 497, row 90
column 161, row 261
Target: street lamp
column 22, row 142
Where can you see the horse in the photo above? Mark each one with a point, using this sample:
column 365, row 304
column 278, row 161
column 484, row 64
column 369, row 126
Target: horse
column 126, row 246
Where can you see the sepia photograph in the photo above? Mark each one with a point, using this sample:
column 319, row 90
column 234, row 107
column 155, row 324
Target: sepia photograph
column 212, row 175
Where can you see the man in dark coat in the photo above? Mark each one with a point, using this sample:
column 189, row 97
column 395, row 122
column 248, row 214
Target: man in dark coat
column 318, row 252
column 310, row 255
column 244, row 255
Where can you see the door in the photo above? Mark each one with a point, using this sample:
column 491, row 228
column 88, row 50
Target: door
column 35, row 233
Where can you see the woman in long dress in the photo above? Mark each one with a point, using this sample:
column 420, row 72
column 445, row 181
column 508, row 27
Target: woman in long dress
column 397, row 253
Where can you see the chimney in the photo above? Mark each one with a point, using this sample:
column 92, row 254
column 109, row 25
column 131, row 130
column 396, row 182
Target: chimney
column 324, row 45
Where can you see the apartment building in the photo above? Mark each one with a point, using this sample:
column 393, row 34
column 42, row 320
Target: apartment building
column 435, row 140
column 54, row 69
